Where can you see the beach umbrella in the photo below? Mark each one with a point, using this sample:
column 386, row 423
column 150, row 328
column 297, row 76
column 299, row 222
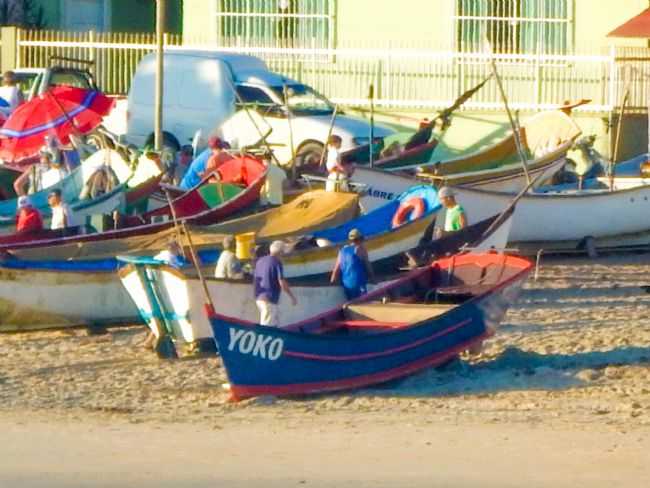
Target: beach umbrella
column 59, row 112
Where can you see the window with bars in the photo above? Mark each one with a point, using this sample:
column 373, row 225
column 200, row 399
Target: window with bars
column 515, row 26
column 282, row 23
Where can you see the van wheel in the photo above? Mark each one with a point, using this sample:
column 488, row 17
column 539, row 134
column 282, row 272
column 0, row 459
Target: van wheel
column 169, row 141
column 308, row 158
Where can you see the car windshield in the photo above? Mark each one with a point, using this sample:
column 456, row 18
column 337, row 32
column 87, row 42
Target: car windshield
column 303, row 100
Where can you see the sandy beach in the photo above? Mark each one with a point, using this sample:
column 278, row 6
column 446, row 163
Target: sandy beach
column 559, row 397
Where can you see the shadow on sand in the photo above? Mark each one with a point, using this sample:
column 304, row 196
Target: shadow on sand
column 512, row 370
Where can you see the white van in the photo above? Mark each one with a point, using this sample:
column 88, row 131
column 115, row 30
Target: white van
column 199, row 95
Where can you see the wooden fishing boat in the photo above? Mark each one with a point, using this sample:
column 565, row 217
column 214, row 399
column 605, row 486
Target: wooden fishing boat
column 62, row 294
column 545, row 138
column 171, row 301
column 238, row 173
column 73, row 184
column 222, row 199
column 306, row 214
column 384, row 236
column 421, row 320
column 564, row 220
column 106, row 301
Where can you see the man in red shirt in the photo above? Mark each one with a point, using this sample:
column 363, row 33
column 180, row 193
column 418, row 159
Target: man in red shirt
column 28, row 219
column 218, row 156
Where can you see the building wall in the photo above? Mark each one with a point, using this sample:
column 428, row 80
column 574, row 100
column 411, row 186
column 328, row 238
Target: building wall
column 199, row 22
column 425, row 22
column 595, row 19
column 374, row 23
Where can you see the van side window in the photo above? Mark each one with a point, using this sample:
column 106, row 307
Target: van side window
column 250, row 94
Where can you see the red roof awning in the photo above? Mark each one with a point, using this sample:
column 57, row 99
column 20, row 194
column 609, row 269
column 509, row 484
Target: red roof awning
column 638, row 26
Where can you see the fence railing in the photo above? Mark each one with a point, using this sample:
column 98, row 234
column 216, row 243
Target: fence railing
column 114, row 56
column 402, row 77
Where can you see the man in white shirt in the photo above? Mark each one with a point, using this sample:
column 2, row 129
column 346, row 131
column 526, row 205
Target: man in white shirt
column 337, row 179
column 228, row 266
column 61, row 215
column 10, row 92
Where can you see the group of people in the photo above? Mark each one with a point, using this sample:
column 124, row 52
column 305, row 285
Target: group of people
column 353, row 268
column 29, row 219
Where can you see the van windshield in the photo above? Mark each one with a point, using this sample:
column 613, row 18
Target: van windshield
column 303, row 100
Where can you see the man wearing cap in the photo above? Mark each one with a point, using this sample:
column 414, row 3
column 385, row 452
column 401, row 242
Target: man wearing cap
column 28, row 219
column 455, row 218
column 353, row 265
column 228, row 266
column 269, row 283
column 219, row 155
column 199, row 167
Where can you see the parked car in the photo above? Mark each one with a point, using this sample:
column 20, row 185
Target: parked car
column 36, row 81
column 202, row 91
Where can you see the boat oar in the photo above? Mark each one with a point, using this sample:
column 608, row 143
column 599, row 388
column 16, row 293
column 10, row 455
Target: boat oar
column 177, row 230
column 460, row 101
column 371, row 97
column 617, row 141
column 515, row 127
column 285, row 93
column 510, row 207
column 329, row 134
column 193, row 254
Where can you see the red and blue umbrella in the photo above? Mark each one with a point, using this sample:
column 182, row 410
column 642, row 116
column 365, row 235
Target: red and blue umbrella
column 60, row 112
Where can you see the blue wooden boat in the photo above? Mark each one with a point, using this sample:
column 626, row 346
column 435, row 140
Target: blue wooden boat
column 419, row 321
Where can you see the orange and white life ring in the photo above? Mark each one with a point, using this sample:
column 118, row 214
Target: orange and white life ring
column 410, row 210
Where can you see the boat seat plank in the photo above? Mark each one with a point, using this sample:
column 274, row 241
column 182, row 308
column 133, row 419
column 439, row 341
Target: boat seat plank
column 364, row 323
column 395, row 312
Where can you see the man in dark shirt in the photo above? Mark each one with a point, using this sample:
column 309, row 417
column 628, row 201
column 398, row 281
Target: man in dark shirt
column 269, row 283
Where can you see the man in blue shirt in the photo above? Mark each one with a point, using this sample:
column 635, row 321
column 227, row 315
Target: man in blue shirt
column 269, row 283
column 354, row 267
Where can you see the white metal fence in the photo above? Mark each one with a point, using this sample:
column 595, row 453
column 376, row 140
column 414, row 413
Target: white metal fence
column 402, row 77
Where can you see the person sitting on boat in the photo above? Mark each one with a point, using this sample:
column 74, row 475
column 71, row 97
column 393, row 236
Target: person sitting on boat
column 28, row 218
column 228, row 265
column 354, row 267
column 173, row 255
column 218, row 156
column 455, row 218
column 10, row 92
column 337, row 172
column 198, row 168
column 31, row 180
column 269, row 283
column 61, row 214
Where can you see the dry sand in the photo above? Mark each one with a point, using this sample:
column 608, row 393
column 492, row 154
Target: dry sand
column 560, row 397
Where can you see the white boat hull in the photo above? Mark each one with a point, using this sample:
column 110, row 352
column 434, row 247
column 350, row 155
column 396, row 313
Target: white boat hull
column 31, row 299
column 563, row 220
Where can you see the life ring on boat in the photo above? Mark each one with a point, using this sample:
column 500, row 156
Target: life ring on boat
column 411, row 209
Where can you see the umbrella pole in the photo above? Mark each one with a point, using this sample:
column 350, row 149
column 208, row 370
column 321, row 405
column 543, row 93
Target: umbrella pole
column 65, row 114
